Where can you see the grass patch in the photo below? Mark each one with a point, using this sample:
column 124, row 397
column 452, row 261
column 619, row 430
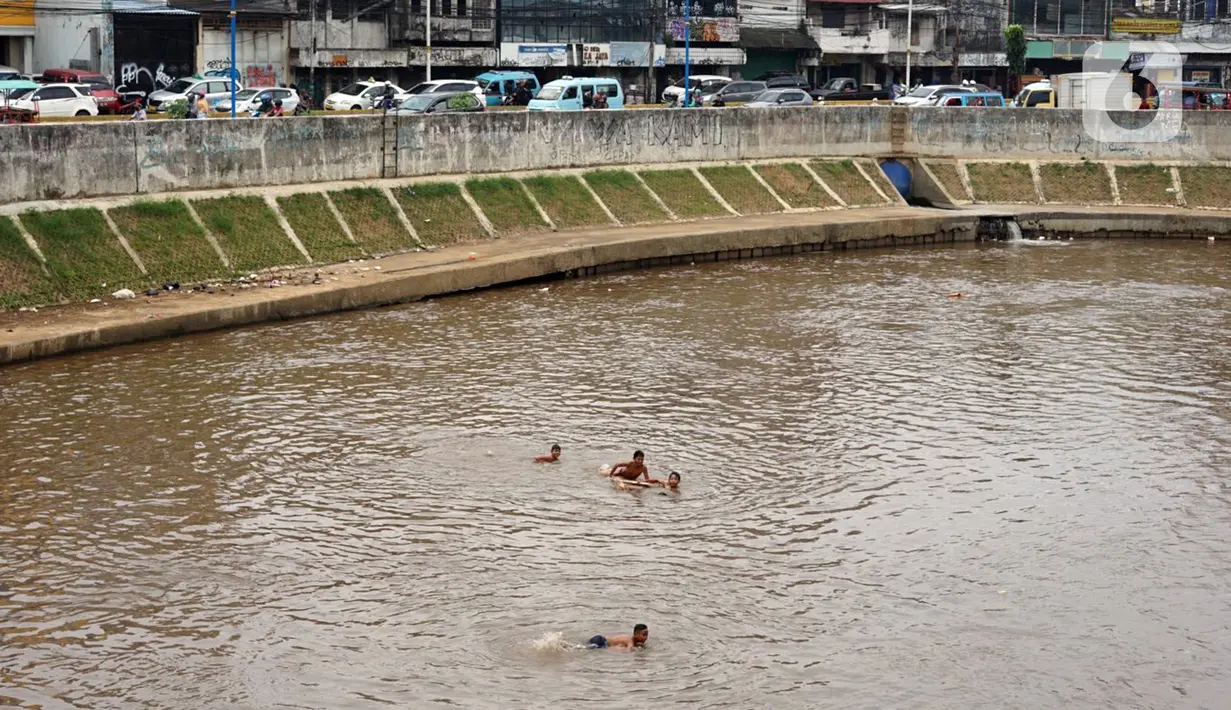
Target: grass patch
column 793, row 184
column 22, row 281
column 1206, row 186
column 439, row 213
column 948, row 176
column 372, row 220
column 845, row 179
column 625, row 196
column 169, row 242
column 506, row 205
column 248, row 232
column 1001, row 182
column 1144, row 185
column 318, row 230
column 83, row 255
column 1075, row 183
column 566, row 201
column 683, row 193
column 740, row 189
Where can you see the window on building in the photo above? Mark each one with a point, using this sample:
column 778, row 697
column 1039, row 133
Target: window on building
column 446, row 7
column 461, row 8
column 834, row 17
column 416, row 7
column 341, row 9
column 572, row 21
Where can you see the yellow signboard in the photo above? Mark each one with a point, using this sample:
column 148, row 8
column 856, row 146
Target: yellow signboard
column 1145, row 26
column 19, row 13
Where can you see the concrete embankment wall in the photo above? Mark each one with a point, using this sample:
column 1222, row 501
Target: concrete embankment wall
column 74, row 160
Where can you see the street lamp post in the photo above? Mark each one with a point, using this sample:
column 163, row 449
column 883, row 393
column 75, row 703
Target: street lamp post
column 910, row 18
column 427, row 33
column 687, row 47
column 234, row 72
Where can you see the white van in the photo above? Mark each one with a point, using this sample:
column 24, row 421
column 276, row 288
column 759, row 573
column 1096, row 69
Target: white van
column 571, row 94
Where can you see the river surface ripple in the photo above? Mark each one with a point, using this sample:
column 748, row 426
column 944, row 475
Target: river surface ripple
column 892, row 498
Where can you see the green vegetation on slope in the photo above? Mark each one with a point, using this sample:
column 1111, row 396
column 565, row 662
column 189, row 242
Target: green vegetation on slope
column 740, row 189
column 169, row 242
column 845, row 179
column 947, row 174
column 372, row 220
column 793, row 184
column 248, row 232
column 22, row 281
column 439, row 213
column 84, row 257
column 625, row 196
column 1075, row 183
column 318, row 230
column 1002, row 182
column 506, row 205
column 1206, row 186
column 566, row 201
column 1145, row 185
column 683, row 193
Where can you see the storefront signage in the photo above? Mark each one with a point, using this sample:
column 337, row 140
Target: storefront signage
column 1145, row 26
column 706, row 29
column 596, row 55
column 542, row 55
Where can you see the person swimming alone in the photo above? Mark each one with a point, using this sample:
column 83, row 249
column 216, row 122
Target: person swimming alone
column 553, row 457
column 632, row 470
column 641, row 634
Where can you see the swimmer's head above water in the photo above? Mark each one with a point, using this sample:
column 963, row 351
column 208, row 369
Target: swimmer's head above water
column 673, row 480
column 641, row 634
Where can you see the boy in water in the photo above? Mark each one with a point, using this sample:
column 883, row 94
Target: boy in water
column 631, row 470
column 641, row 634
column 673, row 482
column 553, row 457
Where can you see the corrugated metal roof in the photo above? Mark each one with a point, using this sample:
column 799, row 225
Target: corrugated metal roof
column 147, row 7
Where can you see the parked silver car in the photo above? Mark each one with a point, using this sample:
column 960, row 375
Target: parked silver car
column 780, row 97
column 735, row 92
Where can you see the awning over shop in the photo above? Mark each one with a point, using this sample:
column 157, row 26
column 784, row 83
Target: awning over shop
column 759, row 38
column 146, row 7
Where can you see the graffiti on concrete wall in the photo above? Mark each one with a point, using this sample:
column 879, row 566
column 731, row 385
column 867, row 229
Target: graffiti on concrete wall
column 260, row 75
column 148, row 78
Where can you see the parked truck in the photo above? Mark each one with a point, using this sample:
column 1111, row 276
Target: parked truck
column 1098, row 90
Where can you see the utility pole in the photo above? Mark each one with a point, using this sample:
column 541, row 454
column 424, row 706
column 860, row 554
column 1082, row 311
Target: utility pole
column 312, row 46
column 956, row 15
column 910, row 17
column 234, row 72
column 687, row 47
column 427, row 32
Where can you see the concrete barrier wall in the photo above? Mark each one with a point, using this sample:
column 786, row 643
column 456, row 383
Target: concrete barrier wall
column 71, row 160
column 500, row 141
column 1060, row 133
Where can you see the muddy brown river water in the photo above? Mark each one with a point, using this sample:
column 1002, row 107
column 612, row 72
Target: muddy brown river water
column 1020, row 498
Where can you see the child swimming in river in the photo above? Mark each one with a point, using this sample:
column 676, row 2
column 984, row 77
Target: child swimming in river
column 553, row 457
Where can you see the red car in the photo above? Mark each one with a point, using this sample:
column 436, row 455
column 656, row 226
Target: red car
column 100, row 88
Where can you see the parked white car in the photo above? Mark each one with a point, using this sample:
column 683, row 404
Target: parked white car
column 360, row 96
column 442, row 86
column 709, row 83
column 250, row 100
column 214, row 88
column 927, row 95
column 56, row 100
